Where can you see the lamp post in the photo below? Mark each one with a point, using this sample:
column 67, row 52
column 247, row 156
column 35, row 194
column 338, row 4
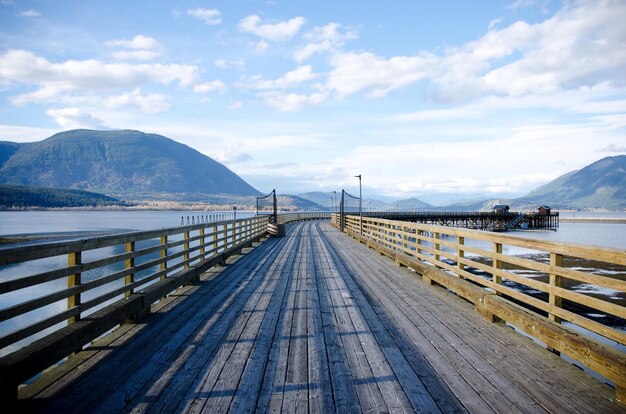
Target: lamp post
column 360, row 203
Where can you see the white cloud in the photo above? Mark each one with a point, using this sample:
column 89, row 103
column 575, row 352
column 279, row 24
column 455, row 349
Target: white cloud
column 292, row 78
column 613, row 148
column 74, row 118
column 261, row 46
column 84, row 76
column 227, row 64
column 216, row 85
column 149, row 104
column 232, row 155
column 139, row 42
column 324, row 39
column 581, row 46
column 135, row 55
column 141, row 48
column 235, row 105
column 28, row 13
column 375, row 76
column 208, row 16
column 292, row 102
column 276, row 32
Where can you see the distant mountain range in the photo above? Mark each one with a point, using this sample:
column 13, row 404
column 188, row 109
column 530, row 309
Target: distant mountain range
column 600, row 185
column 121, row 162
column 135, row 166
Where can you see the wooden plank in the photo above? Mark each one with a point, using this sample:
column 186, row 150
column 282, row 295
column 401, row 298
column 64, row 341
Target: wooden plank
column 420, row 299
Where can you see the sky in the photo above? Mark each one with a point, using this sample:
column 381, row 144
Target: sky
column 422, row 98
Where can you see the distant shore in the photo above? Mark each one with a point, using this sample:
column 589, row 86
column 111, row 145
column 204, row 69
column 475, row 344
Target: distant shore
column 607, row 220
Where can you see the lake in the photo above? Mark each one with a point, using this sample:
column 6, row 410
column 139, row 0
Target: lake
column 27, row 222
column 15, row 223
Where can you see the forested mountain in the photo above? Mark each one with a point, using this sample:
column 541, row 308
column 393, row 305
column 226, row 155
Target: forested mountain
column 116, row 162
column 22, row 196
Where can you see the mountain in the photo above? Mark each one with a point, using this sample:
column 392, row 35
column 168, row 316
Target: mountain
column 598, row 185
column 21, row 196
column 327, row 200
column 288, row 202
column 123, row 161
column 7, row 149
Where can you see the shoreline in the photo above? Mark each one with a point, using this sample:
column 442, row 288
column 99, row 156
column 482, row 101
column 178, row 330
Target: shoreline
column 605, row 220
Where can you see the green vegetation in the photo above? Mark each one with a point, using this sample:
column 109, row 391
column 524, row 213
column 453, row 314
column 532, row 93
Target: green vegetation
column 12, row 196
column 117, row 162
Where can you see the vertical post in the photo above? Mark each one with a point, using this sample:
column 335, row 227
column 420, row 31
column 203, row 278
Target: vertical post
column 74, row 259
column 342, row 211
column 129, row 264
column 436, row 246
column 186, row 249
column 360, row 205
column 418, row 241
column 497, row 265
column 202, row 244
column 215, row 245
column 460, row 252
column 556, row 260
column 163, row 256
column 275, row 207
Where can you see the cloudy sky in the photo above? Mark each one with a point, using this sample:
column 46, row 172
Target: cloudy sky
column 493, row 97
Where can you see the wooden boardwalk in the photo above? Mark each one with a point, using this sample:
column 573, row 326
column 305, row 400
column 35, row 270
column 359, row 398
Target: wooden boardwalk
column 315, row 322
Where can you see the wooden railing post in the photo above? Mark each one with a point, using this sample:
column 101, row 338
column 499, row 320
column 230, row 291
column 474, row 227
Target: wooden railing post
column 215, row 237
column 186, row 249
column 497, row 265
column 436, row 245
column 129, row 264
column 74, row 259
column 202, row 244
column 163, row 256
column 460, row 252
column 555, row 282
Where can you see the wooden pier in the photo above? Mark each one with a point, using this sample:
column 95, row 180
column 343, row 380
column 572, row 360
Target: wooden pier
column 311, row 322
column 477, row 220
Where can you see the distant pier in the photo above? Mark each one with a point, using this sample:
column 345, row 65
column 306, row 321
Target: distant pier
column 490, row 221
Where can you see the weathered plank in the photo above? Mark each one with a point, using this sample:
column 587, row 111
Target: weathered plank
column 315, row 322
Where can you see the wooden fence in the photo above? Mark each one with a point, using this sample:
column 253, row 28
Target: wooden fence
column 289, row 217
column 539, row 292
column 91, row 285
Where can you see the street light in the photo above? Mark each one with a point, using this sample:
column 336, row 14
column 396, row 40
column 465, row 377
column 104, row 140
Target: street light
column 360, row 203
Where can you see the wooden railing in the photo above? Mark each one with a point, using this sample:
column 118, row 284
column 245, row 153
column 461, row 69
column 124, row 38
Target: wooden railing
column 83, row 288
column 284, row 218
column 537, row 292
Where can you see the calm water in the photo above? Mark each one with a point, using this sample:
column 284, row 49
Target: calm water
column 26, row 222
column 29, row 222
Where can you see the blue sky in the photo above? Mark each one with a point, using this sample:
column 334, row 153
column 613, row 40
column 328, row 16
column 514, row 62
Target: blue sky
column 453, row 97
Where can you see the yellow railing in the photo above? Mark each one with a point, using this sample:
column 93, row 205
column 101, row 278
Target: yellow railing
column 558, row 282
column 93, row 284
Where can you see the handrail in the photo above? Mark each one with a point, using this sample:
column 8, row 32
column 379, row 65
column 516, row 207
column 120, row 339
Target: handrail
column 548, row 282
column 104, row 272
column 284, row 218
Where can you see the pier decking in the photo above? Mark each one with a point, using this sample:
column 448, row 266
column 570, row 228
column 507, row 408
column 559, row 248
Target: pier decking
column 315, row 322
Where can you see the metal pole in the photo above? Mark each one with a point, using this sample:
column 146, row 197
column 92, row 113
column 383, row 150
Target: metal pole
column 341, row 211
column 360, row 204
column 275, row 207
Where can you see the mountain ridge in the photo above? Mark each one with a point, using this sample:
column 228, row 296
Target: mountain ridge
column 121, row 161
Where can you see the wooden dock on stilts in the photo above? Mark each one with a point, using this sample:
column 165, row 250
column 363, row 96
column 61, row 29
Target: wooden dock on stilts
column 315, row 322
